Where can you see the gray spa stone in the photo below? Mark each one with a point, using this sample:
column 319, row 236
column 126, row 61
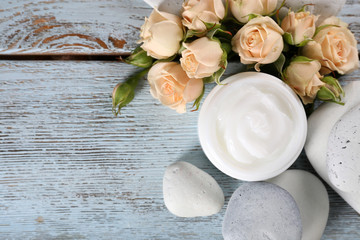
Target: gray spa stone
column 260, row 210
column 320, row 126
column 191, row 192
column 343, row 152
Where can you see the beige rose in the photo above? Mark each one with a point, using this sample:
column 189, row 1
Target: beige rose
column 161, row 34
column 242, row 8
column 333, row 21
column 170, row 84
column 259, row 41
column 201, row 58
column 300, row 25
column 304, row 78
column 334, row 47
column 196, row 12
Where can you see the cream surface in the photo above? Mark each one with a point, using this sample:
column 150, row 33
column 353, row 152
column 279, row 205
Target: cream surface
column 260, row 125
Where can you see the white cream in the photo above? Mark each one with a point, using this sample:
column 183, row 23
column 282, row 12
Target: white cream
column 259, row 126
column 252, row 128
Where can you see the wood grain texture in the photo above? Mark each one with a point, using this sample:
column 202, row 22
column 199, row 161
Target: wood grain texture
column 351, row 15
column 70, row 27
column 70, row 170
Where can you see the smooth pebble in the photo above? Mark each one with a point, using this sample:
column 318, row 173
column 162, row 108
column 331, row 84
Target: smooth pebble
column 320, row 126
column 191, row 192
column 261, row 210
column 343, row 152
column 311, row 198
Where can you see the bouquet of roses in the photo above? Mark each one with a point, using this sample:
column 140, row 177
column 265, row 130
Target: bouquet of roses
column 182, row 54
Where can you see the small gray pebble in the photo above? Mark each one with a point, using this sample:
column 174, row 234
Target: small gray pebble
column 260, row 210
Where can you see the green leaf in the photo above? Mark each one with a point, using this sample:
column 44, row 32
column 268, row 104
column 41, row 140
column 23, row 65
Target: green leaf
column 220, row 72
column 279, row 63
column 182, row 48
column 301, row 59
column 226, row 47
column 219, row 33
column 210, row 79
column 217, row 75
column 197, row 102
column 226, row 8
column 139, row 58
column 170, row 59
column 124, row 93
column 211, row 26
column 191, row 33
column 303, row 43
column 288, row 38
column 252, row 16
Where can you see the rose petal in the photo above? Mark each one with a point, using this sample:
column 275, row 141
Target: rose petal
column 193, row 89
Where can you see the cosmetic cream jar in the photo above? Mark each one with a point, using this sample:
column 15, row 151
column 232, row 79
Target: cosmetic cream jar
column 253, row 127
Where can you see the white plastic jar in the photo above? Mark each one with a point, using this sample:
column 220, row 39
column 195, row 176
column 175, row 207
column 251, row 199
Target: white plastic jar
column 253, row 127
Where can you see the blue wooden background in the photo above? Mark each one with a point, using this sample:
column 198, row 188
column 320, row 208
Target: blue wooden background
column 68, row 168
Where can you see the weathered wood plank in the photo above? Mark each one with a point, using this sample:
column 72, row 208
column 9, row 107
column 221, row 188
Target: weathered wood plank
column 70, row 170
column 87, row 27
column 70, row 27
column 351, row 15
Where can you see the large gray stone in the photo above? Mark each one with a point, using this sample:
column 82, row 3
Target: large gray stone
column 260, row 210
column 320, row 130
column 343, row 152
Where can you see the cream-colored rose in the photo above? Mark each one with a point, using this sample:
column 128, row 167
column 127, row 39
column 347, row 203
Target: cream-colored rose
column 161, row 34
column 201, row 58
column 334, row 47
column 242, row 8
column 300, row 25
column 333, row 21
column 259, row 41
column 196, row 12
column 170, row 84
column 304, row 78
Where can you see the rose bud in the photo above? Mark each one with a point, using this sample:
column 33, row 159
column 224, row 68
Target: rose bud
column 123, row 93
column 161, row 34
column 259, row 41
column 196, row 13
column 302, row 75
column 201, row 58
column 334, row 47
column 241, row 9
column 299, row 27
column 170, row 84
column 332, row 90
